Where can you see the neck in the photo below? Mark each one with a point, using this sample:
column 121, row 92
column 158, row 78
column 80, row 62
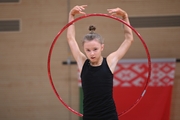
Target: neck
column 98, row 63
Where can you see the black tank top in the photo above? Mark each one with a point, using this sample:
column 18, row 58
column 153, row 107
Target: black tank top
column 97, row 85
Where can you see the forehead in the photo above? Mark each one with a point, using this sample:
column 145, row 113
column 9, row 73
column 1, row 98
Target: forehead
column 91, row 44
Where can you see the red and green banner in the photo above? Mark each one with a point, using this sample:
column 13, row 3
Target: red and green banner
column 130, row 78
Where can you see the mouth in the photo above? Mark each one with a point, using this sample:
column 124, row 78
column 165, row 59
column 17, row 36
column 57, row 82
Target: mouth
column 93, row 58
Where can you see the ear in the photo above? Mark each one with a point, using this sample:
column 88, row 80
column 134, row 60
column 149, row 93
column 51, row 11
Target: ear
column 102, row 47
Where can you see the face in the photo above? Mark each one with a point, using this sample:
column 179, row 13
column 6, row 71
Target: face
column 93, row 50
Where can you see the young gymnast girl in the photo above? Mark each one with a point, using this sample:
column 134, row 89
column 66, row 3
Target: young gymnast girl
column 96, row 71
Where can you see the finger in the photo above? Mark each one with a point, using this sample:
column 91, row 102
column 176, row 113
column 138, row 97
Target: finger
column 82, row 13
column 83, row 6
column 112, row 11
column 79, row 8
column 114, row 14
column 109, row 10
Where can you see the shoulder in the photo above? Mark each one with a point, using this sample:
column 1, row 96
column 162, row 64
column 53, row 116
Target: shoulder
column 112, row 62
column 83, row 65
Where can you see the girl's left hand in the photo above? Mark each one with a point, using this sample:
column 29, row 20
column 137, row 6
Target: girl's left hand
column 117, row 12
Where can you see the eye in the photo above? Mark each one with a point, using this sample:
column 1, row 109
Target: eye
column 95, row 49
column 88, row 50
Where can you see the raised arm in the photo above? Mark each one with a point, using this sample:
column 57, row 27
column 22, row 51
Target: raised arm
column 114, row 57
column 77, row 54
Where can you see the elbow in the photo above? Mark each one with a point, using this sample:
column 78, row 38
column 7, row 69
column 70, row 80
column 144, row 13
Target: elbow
column 131, row 41
column 130, row 38
column 69, row 37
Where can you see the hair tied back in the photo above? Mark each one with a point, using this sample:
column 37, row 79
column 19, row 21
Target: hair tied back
column 92, row 28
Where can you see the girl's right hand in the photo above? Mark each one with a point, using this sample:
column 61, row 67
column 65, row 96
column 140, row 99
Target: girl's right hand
column 78, row 10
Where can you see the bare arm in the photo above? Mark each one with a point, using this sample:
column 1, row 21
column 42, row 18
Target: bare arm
column 78, row 55
column 114, row 57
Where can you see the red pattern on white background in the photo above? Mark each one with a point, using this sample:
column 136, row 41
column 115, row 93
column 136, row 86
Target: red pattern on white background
column 135, row 74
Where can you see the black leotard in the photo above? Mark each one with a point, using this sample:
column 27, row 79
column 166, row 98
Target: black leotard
column 97, row 85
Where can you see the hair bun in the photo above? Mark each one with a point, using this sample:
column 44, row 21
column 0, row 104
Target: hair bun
column 92, row 28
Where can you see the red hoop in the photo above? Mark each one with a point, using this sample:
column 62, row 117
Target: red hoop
column 108, row 16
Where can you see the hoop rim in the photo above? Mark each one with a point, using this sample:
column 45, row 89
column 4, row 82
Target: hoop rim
column 100, row 15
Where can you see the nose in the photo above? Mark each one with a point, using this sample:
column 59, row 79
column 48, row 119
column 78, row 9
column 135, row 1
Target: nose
column 92, row 53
